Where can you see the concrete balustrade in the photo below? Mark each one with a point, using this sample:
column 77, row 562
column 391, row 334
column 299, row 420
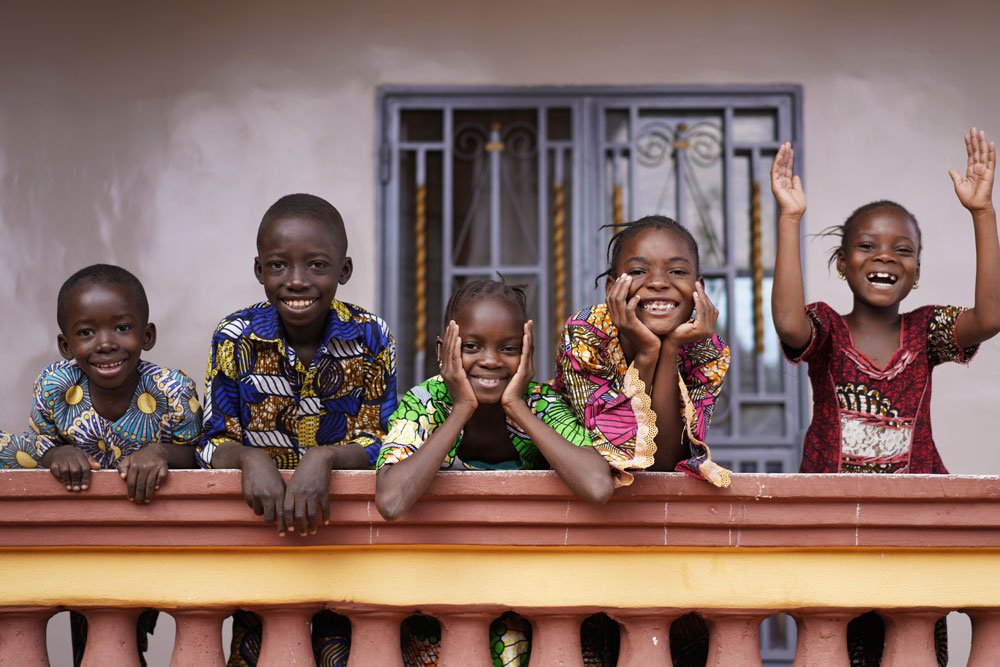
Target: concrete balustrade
column 822, row 548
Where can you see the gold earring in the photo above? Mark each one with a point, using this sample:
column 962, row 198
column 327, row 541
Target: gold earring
column 840, row 274
column 916, row 284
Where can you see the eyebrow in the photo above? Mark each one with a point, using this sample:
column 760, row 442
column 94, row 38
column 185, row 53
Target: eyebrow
column 639, row 258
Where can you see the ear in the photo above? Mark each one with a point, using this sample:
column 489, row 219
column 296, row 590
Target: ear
column 258, row 270
column 63, row 345
column 149, row 336
column 841, row 262
column 609, row 282
column 346, row 270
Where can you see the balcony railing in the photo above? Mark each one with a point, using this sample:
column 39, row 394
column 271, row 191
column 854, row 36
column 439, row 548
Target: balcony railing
column 821, row 548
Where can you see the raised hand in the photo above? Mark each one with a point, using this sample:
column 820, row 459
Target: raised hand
column 518, row 384
column 452, row 370
column 975, row 191
column 624, row 317
column 786, row 186
column 703, row 326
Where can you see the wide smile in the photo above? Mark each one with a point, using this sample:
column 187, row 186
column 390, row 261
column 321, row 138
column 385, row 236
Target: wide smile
column 489, row 382
column 298, row 304
column 108, row 367
column 881, row 279
column 658, row 307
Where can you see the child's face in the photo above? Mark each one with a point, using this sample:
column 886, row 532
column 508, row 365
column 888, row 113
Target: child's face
column 300, row 263
column 106, row 333
column 491, row 332
column 664, row 274
column 880, row 257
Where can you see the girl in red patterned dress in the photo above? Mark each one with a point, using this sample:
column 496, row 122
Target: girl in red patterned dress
column 871, row 368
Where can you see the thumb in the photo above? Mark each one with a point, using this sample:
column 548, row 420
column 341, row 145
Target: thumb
column 94, row 465
column 956, row 178
column 796, row 182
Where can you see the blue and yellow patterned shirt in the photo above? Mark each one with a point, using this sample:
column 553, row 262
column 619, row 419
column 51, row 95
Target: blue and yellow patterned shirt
column 259, row 394
column 164, row 408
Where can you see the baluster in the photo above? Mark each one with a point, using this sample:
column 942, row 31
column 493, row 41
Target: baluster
column 645, row 639
column 465, row 640
column 22, row 637
column 555, row 640
column 198, row 642
column 822, row 639
column 734, row 639
column 287, row 637
column 909, row 638
column 111, row 638
column 985, row 638
column 375, row 639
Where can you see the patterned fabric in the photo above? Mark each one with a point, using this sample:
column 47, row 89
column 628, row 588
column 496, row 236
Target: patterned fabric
column 259, row 394
column 609, row 398
column 871, row 419
column 164, row 408
column 331, row 639
column 510, row 641
column 427, row 406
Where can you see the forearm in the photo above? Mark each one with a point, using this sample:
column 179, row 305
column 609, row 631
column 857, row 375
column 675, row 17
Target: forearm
column 983, row 322
column 787, row 292
column 582, row 469
column 666, row 402
column 347, row 456
column 399, row 485
column 230, row 455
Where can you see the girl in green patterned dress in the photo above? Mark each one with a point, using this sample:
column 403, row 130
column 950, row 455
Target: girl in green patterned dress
column 483, row 412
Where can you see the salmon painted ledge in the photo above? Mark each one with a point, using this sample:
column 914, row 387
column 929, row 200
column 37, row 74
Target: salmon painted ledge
column 523, row 509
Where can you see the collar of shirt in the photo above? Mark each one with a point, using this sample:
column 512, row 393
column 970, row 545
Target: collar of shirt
column 265, row 325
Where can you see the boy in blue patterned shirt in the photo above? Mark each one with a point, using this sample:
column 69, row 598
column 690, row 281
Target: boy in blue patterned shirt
column 104, row 407
column 300, row 381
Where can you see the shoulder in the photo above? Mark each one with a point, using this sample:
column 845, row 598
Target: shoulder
column 592, row 321
column 246, row 320
column 365, row 318
column 422, row 398
column 61, row 373
column 172, row 382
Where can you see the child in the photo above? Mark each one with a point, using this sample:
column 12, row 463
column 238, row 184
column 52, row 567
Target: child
column 484, row 411
column 103, row 407
column 299, row 381
column 871, row 369
column 642, row 371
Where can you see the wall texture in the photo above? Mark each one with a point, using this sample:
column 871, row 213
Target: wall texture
column 155, row 136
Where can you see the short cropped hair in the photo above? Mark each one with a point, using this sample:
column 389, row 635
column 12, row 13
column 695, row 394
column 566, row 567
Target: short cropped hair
column 303, row 205
column 101, row 274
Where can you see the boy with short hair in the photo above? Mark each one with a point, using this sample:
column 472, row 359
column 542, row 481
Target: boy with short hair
column 104, row 407
column 299, row 381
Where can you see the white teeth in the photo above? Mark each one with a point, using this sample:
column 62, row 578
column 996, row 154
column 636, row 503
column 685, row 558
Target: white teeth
column 882, row 277
column 659, row 307
column 108, row 367
column 299, row 304
column 489, row 382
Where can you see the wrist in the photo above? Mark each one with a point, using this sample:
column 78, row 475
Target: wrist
column 669, row 349
column 463, row 409
column 790, row 217
column 985, row 212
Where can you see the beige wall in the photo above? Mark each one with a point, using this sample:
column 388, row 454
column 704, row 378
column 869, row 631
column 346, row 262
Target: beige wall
column 155, row 136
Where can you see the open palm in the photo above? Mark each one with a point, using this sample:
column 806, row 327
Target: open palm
column 786, row 186
column 975, row 191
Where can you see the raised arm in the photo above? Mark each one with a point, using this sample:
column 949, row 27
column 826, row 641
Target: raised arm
column 975, row 192
column 400, row 484
column 579, row 466
column 787, row 294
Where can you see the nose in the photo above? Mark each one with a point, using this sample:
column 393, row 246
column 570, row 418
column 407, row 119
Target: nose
column 106, row 342
column 658, row 279
column 489, row 358
column 298, row 277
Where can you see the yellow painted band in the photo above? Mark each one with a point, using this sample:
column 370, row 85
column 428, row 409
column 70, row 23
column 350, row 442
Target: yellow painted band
column 423, row 576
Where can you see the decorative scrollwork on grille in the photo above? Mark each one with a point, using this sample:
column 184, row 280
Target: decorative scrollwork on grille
column 470, row 140
column 519, row 140
column 704, row 142
column 654, row 144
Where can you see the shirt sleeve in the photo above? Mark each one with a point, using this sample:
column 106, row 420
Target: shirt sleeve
column 42, row 422
column 556, row 413
column 612, row 405
column 186, row 428
column 222, row 399
column 942, row 345
column 19, row 451
column 819, row 315
column 380, row 390
column 702, row 366
column 410, row 426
